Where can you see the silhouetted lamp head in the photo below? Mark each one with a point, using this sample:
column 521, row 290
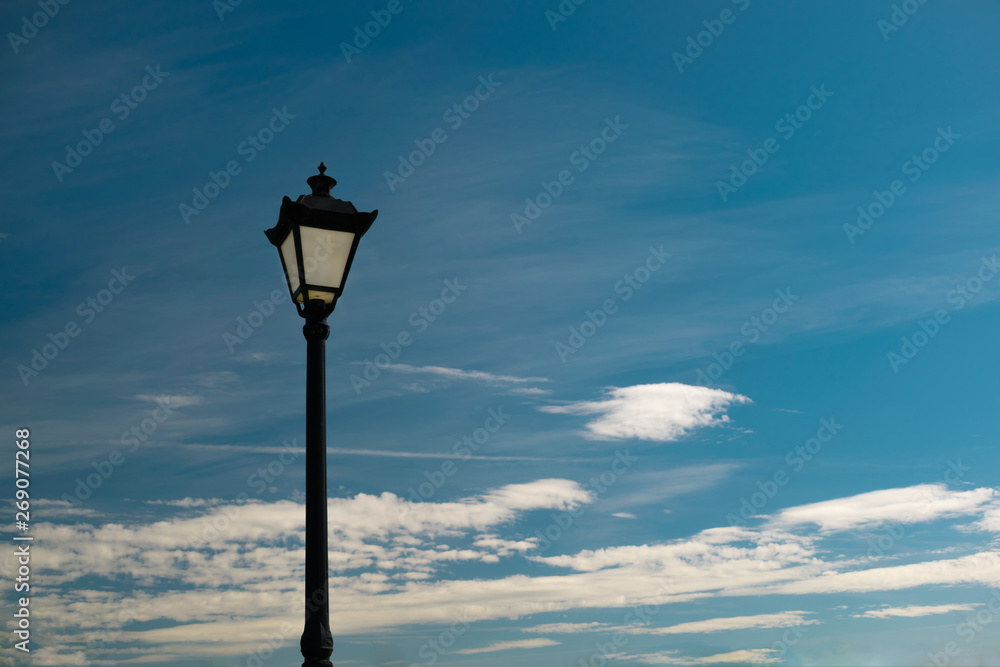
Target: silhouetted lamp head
column 317, row 236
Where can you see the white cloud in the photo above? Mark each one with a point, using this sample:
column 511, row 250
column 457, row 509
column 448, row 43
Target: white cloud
column 914, row 611
column 980, row 568
column 624, row 515
column 382, row 453
column 63, row 508
column 235, row 571
column 663, row 412
column 991, row 519
column 913, row 504
column 757, row 656
column 189, row 502
column 780, row 620
column 504, row 646
column 567, row 628
column 170, row 400
column 655, row 487
column 459, row 374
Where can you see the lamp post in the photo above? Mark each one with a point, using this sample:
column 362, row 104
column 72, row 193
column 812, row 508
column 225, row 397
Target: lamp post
column 317, row 236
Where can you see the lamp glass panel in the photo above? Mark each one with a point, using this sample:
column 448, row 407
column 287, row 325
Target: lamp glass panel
column 324, row 254
column 291, row 265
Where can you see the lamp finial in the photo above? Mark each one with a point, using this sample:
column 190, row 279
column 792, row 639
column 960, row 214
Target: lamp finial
column 321, row 183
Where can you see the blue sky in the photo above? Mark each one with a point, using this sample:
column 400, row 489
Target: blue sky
column 701, row 308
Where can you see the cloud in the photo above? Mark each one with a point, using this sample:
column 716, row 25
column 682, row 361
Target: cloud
column 655, row 487
column 624, row 515
column 459, row 374
column 780, row 620
column 912, row 504
column 757, row 656
column 503, row 646
column 200, row 576
column 63, row 508
column 914, row 611
column 189, row 502
column 173, row 401
column 383, row 453
column 665, row 412
column 991, row 519
column 567, row 628
column 234, row 570
column 980, row 568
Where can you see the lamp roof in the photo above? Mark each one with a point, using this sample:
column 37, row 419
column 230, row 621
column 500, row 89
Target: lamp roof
column 321, row 184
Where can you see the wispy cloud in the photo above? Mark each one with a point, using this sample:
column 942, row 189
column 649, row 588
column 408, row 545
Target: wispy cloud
column 504, row 646
column 567, row 628
column 385, row 453
column 912, row 504
column 655, row 487
column 530, row 391
column 459, row 374
column 757, row 656
column 914, row 611
column 778, row 620
column 173, row 401
column 191, row 570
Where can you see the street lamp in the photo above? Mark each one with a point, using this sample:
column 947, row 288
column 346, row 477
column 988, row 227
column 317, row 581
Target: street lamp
column 316, row 237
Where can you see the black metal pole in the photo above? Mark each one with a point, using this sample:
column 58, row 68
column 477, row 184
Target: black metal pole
column 317, row 640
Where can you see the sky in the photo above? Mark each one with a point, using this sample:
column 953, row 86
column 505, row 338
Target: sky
column 673, row 343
